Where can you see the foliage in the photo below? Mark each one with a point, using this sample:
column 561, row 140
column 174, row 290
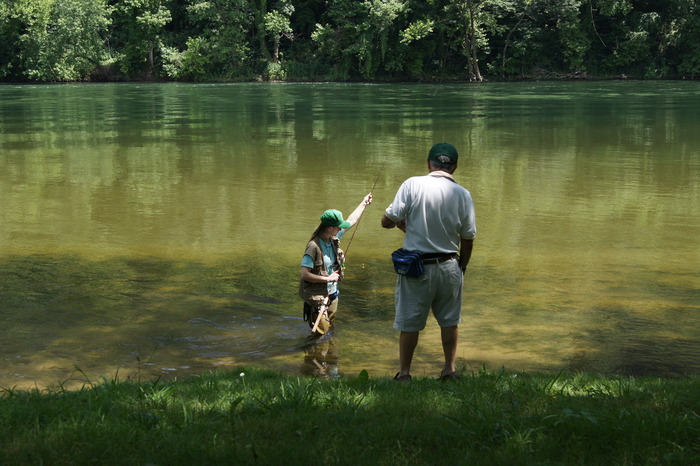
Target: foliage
column 22, row 23
column 57, row 40
column 258, row 417
column 75, row 40
column 277, row 26
column 216, row 45
column 681, row 33
column 65, row 40
column 140, row 24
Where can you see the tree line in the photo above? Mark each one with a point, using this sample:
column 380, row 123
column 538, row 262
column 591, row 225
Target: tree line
column 344, row 40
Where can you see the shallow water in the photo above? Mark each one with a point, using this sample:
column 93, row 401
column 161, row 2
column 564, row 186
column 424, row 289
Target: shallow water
column 157, row 230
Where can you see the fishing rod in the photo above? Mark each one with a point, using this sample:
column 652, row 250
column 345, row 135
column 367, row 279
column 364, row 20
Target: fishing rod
column 357, row 225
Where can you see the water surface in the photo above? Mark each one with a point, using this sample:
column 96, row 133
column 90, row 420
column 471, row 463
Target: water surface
column 154, row 230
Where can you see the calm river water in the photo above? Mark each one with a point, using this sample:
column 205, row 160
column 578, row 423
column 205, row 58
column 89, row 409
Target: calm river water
column 156, row 230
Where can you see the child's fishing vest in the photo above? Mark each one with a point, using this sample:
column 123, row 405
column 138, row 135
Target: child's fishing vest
column 315, row 293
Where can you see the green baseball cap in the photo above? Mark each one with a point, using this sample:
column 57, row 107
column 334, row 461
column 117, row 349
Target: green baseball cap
column 334, row 218
column 443, row 149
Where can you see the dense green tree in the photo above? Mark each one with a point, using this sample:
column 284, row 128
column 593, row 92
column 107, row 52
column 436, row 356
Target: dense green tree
column 56, row 40
column 64, row 40
column 623, row 38
column 259, row 8
column 9, row 32
column 677, row 41
column 468, row 18
column 509, row 28
column 555, row 36
column 23, row 23
column 359, row 36
column 416, row 47
column 277, row 26
column 532, row 36
column 685, row 43
column 140, row 25
column 75, row 41
column 336, row 36
column 217, row 46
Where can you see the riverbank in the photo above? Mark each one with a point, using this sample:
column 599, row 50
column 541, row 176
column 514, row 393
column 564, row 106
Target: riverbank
column 537, row 75
column 252, row 416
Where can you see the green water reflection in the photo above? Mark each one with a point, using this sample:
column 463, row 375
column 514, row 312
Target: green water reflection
column 157, row 229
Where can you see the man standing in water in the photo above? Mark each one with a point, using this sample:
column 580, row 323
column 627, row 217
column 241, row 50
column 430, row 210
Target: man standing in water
column 437, row 216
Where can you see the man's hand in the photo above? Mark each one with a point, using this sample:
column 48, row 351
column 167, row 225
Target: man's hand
column 389, row 223
column 465, row 253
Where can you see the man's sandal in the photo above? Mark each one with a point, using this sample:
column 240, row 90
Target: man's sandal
column 402, row 378
column 451, row 376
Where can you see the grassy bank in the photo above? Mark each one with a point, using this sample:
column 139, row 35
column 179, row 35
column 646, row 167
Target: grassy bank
column 251, row 416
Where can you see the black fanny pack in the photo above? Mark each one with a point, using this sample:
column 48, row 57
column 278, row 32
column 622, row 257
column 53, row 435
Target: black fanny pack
column 407, row 263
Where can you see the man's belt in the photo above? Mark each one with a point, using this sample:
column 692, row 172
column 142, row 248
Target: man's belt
column 432, row 259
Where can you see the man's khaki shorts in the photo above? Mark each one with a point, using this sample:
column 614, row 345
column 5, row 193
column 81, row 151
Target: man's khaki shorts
column 439, row 288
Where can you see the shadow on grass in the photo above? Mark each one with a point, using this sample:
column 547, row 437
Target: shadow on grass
column 249, row 416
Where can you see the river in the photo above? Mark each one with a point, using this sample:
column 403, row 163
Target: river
column 156, row 230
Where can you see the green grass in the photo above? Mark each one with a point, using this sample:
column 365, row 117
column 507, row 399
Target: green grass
column 252, row 416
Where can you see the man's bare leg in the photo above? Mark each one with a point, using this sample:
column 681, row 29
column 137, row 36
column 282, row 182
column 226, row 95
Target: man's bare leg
column 407, row 345
column 449, row 335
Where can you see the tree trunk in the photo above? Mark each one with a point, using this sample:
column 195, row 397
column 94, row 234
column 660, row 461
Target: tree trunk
column 474, row 72
column 151, row 66
column 507, row 43
column 260, row 10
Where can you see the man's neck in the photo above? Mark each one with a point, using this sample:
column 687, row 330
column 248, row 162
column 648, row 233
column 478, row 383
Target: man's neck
column 440, row 173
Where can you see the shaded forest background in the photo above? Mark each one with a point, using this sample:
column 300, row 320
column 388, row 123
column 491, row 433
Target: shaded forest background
column 346, row 40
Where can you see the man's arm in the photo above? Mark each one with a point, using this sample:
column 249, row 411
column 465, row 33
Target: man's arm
column 465, row 253
column 387, row 222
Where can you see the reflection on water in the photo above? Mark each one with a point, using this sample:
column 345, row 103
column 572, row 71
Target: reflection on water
column 157, row 230
column 321, row 358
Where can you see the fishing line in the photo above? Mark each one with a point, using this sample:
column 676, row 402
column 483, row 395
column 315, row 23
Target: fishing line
column 357, row 225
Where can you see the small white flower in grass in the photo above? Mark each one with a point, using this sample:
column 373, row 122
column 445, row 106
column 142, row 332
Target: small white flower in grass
column 242, row 374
